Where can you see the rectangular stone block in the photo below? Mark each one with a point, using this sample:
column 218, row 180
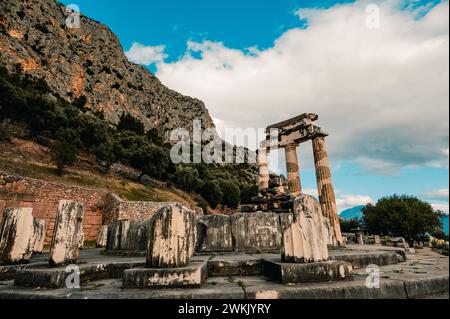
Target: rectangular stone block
column 16, row 234
column 172, row 236
column 234, row 265
column 38, row 235
column 256, row 232
column 293, row 273
column 191, row 275
column 102, row 237
column 129, row 235
column 67, row 232
column 214, row 234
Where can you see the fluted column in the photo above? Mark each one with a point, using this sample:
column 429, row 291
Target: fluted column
column 292, row 170
column 263, row 167
column 325, row 186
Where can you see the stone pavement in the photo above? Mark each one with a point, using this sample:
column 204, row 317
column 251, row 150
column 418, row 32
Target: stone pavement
column 423, row 275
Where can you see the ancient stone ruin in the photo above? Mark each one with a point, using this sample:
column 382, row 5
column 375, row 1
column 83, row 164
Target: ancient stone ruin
column 171, row 245
column 16, row 236
column 66, row 239
column 288, row 135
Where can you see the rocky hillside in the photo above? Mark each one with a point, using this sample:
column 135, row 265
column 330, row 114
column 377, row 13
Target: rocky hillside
column 88, row 66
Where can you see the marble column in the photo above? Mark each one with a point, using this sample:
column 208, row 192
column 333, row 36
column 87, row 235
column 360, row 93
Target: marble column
column 292, row 170
column 325, row 186
column 263, row 167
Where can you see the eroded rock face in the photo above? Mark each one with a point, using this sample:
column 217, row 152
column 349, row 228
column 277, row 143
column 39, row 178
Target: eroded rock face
column 16, row 236
column 214, row 233
column 304, row 234
column 102, row 237
column 38, row 238
column 88, row 64
column 65, row 244
column 172, row 236
column 256, row 232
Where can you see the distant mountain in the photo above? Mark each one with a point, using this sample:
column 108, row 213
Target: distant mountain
column 355, row 212
column 87, row 65
column 352, row 213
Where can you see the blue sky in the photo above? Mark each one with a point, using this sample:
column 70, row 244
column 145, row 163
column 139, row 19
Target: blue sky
column 399, row 158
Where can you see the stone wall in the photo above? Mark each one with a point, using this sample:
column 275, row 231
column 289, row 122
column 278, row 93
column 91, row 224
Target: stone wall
column 101, row 206
column 118, row 209
column 44, row 197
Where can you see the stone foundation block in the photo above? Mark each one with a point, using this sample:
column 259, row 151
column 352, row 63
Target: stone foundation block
column 256, row 232
column 214, row 234
column 292, row 273
column 191, row 275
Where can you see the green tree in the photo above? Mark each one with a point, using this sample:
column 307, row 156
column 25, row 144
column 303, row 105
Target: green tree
column 64, row 154
column 130, row 123
column 212, row 193
column 403, row 216
column 231, row 194
column 105, row 153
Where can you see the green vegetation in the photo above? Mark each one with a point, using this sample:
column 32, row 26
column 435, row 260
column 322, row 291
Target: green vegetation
column 64, row 154
column 75, row 128
column 348, row 226
column 405, row 216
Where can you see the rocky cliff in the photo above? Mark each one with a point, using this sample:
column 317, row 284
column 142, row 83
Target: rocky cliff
column 87, row 65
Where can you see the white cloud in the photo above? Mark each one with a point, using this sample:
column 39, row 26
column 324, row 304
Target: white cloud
column 349, row 201
column 146, row 55
column 382, row 93
column 311, row 191
column 441, row 207
column 437, row 194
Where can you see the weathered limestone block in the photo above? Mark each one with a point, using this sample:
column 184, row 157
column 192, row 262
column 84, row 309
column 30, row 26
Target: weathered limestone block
column 214, row 233
column 190, row 276
column 130, row 235
column 360, row 239
column 66, row 238
column 304, row 234
column 172, row 236
column 16, row 233
column 81, row 239
column 102, row 237
column 256, row 232
column 377, row 240
column 38, row 238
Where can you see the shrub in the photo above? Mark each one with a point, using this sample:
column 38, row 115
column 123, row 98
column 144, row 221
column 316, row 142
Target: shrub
column 348, row 226
column 212, row 193
column 231, row 194
column 130, row 123
column 186, row 178
column 247, row 192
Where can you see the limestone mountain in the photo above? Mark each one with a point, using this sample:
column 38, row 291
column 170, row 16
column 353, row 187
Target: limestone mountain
column 87, row 65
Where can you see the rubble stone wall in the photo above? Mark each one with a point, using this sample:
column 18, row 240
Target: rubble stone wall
column 44, row 197
column 101, row 206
